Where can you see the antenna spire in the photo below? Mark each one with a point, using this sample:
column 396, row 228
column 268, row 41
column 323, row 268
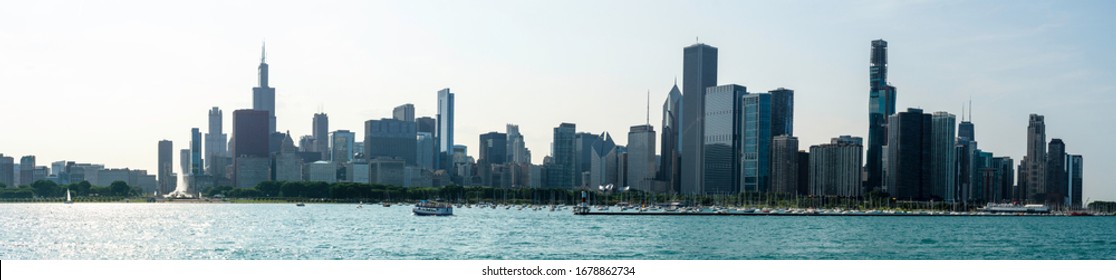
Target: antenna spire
column 263, row 52
column 648, row 106
column 970, row 108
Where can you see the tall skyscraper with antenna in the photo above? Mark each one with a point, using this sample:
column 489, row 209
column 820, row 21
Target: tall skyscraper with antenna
column 263, row 96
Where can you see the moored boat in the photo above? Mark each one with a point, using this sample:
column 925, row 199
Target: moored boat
column 432, row 208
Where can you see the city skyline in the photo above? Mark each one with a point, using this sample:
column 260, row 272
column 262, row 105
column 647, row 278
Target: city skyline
column 828, row 106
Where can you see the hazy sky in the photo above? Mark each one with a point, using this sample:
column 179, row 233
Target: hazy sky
column 104, row 81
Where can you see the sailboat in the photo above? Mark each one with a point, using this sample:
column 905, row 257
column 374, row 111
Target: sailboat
column 69, row 200
column 387, row 196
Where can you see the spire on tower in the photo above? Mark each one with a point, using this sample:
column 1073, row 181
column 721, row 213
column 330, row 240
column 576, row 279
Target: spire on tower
column 263, row 52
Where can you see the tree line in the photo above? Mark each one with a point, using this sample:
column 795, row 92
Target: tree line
column 50, row 189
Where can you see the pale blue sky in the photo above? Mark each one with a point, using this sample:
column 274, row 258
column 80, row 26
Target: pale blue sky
column 117, row 76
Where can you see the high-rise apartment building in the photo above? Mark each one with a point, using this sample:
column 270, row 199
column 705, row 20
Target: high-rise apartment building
column 834, row 168
column 784, row 164
column 907, row 173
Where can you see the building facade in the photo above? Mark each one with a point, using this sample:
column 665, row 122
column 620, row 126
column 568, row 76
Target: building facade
column 907, row 170
column 834, row 168
column 391, row 138
column 641, row 158
column 722, row 125
column 784, row 164
column 699, row 71
column 881, row 105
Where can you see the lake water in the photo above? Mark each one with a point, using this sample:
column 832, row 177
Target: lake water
column 141, row 231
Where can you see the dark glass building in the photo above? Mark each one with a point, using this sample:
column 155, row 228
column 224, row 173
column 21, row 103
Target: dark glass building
column 563, row 152
column 721, row 146
column 782, row 112
column 909, row 155
column 699, row 71
column 391, row 138
column 881, row 105
column 1057, row 177
column 250, row 134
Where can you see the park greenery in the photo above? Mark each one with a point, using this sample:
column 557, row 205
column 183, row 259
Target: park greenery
column 49, row 189
column 353, row 192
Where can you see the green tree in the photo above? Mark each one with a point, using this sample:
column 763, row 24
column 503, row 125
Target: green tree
column 46, row 188
column 120, row 188
column 270, row 188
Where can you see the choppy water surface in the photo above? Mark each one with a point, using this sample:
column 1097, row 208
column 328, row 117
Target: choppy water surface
column 337, row 231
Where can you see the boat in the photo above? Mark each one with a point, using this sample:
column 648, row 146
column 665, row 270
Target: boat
column 69, row 200
column 1014, row 208
column 300, row 204
column 432, row 208
column 360, row 205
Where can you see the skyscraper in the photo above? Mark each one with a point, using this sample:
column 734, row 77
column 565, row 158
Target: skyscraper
column 250, row 150
column 493, row 148
column 405, row 112
column 424, row 150
column 943, row 162
column 641, row 158
column 196, row 164
column 166, row 167
column 7, row 171
column 699, row 71
column 755, row 136
column 216, row 145
column 342, row 143
column 493, row 151
column 604, row 165
column 1057, row 177
column 391, row 138
column 561, row 174
column 782, row 112
column 1074, row 171
column 517, row 147
column 881, row 104
column 321, row 134
column 1032, row 169
column 444, row 132
column 583, row 161
column 1003, row 190
column 721, row 123
column 263, row 96
column 784, row 164
column 670, row 149
column 907, row 174
column 835, row 167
